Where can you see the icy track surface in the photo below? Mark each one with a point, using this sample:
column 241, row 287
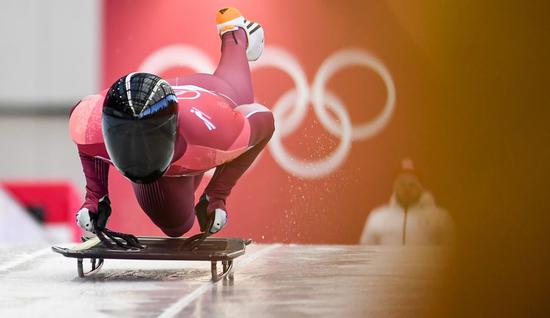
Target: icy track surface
column 270, row 281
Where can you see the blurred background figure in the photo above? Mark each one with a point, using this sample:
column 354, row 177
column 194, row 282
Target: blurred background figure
column 410, row 218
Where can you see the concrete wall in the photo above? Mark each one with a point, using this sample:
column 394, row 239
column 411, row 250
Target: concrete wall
column 36, row 147
column 50, row 51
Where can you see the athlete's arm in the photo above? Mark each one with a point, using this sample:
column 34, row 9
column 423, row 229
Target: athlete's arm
column 85, row 129
column 96, row 172
column 91, row 216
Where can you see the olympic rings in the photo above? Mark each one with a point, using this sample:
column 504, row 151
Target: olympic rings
column 312, row 169
column 280, row 59
column 291, row 108
column 338, row 61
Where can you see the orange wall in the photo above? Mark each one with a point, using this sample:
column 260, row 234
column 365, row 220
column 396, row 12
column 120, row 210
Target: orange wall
column 271, row 202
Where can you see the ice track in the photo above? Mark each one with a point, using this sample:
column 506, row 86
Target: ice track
column 270, row 281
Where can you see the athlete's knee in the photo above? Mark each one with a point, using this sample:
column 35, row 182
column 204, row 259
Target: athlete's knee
column 174, row 232
column 179, row 230
column 261, row 119
column 267, row 123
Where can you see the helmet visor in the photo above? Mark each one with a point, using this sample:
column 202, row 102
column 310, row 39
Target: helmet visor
column 142, row 149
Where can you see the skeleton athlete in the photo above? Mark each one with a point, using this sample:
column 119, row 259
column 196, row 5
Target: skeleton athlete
column 163, row 136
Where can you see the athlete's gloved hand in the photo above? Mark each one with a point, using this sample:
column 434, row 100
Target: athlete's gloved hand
column 91, row 221
column 220, row 219
column 213, row 221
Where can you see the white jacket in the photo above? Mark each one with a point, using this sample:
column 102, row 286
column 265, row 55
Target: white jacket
column 426, row 224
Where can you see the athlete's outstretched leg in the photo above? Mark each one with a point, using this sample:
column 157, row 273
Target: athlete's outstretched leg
column 242, row 41
column 233, row 67
column 232, row 77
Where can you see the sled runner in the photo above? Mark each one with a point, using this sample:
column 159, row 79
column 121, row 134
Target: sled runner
column 215, row 250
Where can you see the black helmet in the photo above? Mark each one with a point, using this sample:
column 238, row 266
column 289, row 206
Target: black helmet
column 140, row 116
